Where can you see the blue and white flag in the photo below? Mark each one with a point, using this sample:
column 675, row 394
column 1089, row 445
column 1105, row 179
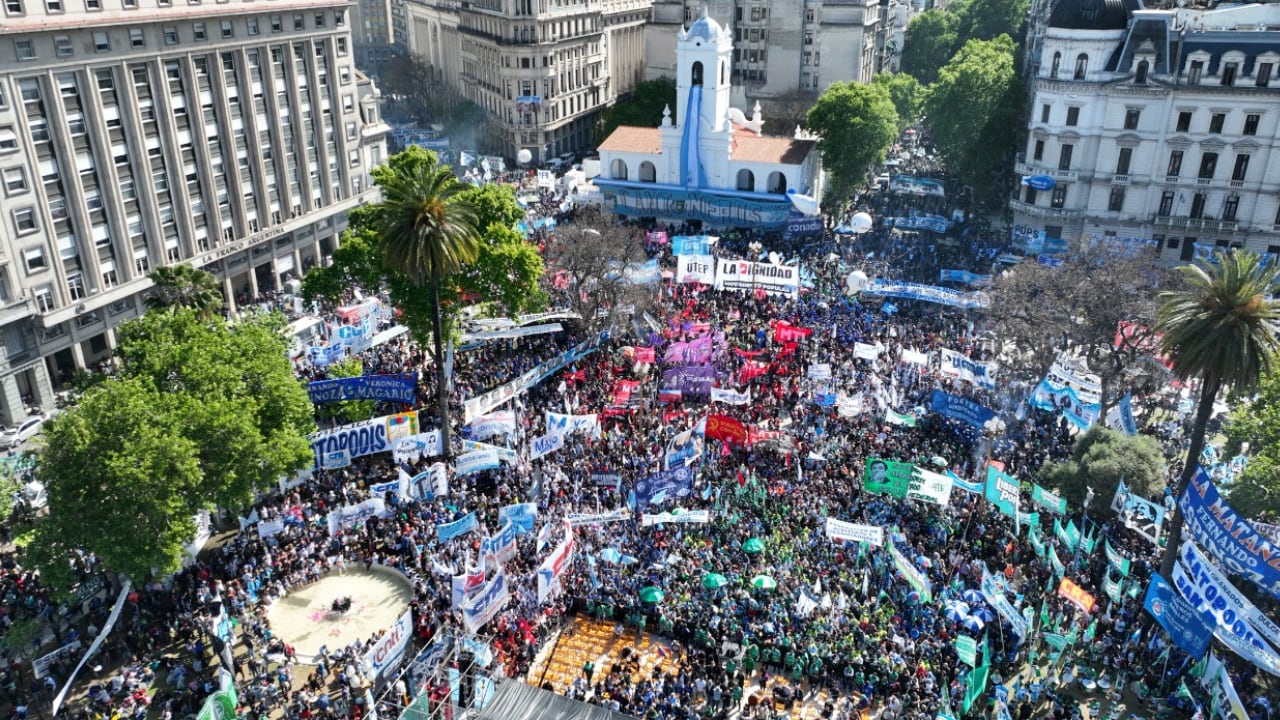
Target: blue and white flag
column 1186, row 627
column 522, row 516
column 449, row 531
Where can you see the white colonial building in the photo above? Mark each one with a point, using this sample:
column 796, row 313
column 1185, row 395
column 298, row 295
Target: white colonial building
column 710, row 163
column 1158, row 126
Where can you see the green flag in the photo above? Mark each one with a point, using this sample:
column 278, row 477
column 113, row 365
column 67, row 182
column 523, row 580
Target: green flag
column 986, row 648
column 1068, row 534
column 1056, row 640
column 1058, row 568
column 975, row 686
column 1116, row 559
column 894, row 418
column 1047, row 500
column 1037, row 542
column 1184, row 692
column 1090, row 541
column 967, row 650
column 1090, row 631
column 888, row 476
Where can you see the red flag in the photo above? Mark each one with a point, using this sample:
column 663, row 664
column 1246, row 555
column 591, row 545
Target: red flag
column 742, row 480
column 723, row 427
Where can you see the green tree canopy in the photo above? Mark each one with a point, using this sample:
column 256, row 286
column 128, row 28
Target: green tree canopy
column 642, row 108
column 504, row 274
column 857, row 124
column 1256, row 421
column 1222, row 327
column 974, row 109
column 183, row 286
column 931, row 39
column 907, row 95
column 200, row 416
column 1099, row 460
column 988, row 19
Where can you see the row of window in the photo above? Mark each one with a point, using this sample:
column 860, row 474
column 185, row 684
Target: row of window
column 200, row 32
column 1133, row 115
column 18, row 7
column 1228, row 72
column 1208, row 162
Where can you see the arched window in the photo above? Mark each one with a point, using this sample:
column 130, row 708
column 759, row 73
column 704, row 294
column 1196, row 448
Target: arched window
column 647, row 172
column 1057, row 65
column 746, row 180
column 1143, row 68
column 1082, row 66
column 696, row 74
column 777, row 183
column 618, row 169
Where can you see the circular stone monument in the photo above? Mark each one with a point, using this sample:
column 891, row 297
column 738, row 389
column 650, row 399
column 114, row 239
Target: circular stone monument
column 305, row 618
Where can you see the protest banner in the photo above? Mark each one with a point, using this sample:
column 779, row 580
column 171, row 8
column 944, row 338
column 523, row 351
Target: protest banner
column 730, row 397
column 683, row 449
column 545, row 445
column 401, row 387
column 929, row 486
column 448, row 531
column 580, row 519
column 853, row 532
column 748, row 276
column 553, row 567
column 954, row 364
column 1002, row 491
column 695, row 268
column 668, row 485
column 888, row 476
column 1236, row 622
column 1048, row 500
column 522, row 516
column 726, row 429
column 385, row 655
column 1224, row 534
column 1138, row 513
column 959, row 408
column 1185, row 625
column 927, row 293
column 357, row 440
column 916, row 579
column 678, row 517
column 1076, row 595
column 487, row 603
column 474, row 462
column 351, row 516
column 561, row 423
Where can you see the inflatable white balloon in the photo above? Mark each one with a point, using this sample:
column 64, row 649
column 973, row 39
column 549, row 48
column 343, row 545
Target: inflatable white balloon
column 856, row 282
column 524, row 157
column 860, row 222
column 774, row 258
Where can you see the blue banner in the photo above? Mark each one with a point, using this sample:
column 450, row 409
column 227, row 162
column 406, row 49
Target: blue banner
column 321, row 356
column 932, row 223
column 521, row 516
column 721, row 208
column 965, row 485
column 1065, row 401
column 1187, row 628
column 959, row 408
column 927, row 293
column 1230, row 538
column 799, row 226
column 449, row 531
column 666, row 486
column 396, row 388
column 691, row 245
column 964, row 276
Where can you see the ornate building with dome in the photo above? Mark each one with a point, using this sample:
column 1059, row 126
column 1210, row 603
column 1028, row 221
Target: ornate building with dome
column 1155, row 128
column 708, row 161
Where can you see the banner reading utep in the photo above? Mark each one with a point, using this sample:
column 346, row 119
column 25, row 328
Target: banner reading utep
column 727, row 429
column 695, row 268
column 1221, row 531
column 500, row 548
column 394, row 388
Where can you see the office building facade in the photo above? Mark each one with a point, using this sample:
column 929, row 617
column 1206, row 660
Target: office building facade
column 783, row 49
column 1155, row 127
column 542, row 69
column 134, row 134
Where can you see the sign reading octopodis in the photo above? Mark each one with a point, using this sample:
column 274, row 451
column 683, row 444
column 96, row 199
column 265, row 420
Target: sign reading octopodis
column 357, row 439
column 669, row 201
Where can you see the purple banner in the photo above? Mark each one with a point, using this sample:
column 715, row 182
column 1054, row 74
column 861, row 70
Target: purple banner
column 690, row 380
column 697, row 351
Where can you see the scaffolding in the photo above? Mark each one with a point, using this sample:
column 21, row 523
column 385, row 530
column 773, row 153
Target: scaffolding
column 451, row 676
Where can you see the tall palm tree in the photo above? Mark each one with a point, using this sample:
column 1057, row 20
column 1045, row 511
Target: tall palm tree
column 183, row 286
column 428, row 231
column 1223, row 328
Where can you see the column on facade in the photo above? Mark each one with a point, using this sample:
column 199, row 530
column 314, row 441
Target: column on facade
column 42, row 386
column 12, row 409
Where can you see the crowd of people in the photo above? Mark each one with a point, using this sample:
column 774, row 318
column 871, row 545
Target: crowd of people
column 841, row 626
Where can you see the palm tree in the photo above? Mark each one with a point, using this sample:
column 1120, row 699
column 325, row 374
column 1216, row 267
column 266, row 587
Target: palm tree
column 183, row 286
column 1223, row 329
column 428, row 231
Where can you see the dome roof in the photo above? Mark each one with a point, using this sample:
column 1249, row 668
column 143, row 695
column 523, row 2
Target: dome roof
column 1092, row 14
column 705, row 28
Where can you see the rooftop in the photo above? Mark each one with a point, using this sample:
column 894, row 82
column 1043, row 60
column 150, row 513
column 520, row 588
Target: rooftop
column 633, row 138
column 747, row 146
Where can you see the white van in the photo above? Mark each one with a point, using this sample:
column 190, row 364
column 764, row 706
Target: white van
column 303, row 332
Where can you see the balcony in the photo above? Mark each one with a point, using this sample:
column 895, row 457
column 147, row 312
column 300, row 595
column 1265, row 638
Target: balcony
column 1028, row 169
column 1044, row 212
column 15, row 310
column 1119, row 179
column 1176, row 222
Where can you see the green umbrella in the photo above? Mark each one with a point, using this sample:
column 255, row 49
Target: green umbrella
column 764, row 582
column 753, row 546
column 651, row 594
column 712, row 581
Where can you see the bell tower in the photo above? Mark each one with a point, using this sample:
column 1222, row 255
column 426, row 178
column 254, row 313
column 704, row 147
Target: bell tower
column 703, row 59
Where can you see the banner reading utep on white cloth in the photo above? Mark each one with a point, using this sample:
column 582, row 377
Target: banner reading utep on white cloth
column 695, row 269
column 696, row 517
column 747, row 276
column 853, row 532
